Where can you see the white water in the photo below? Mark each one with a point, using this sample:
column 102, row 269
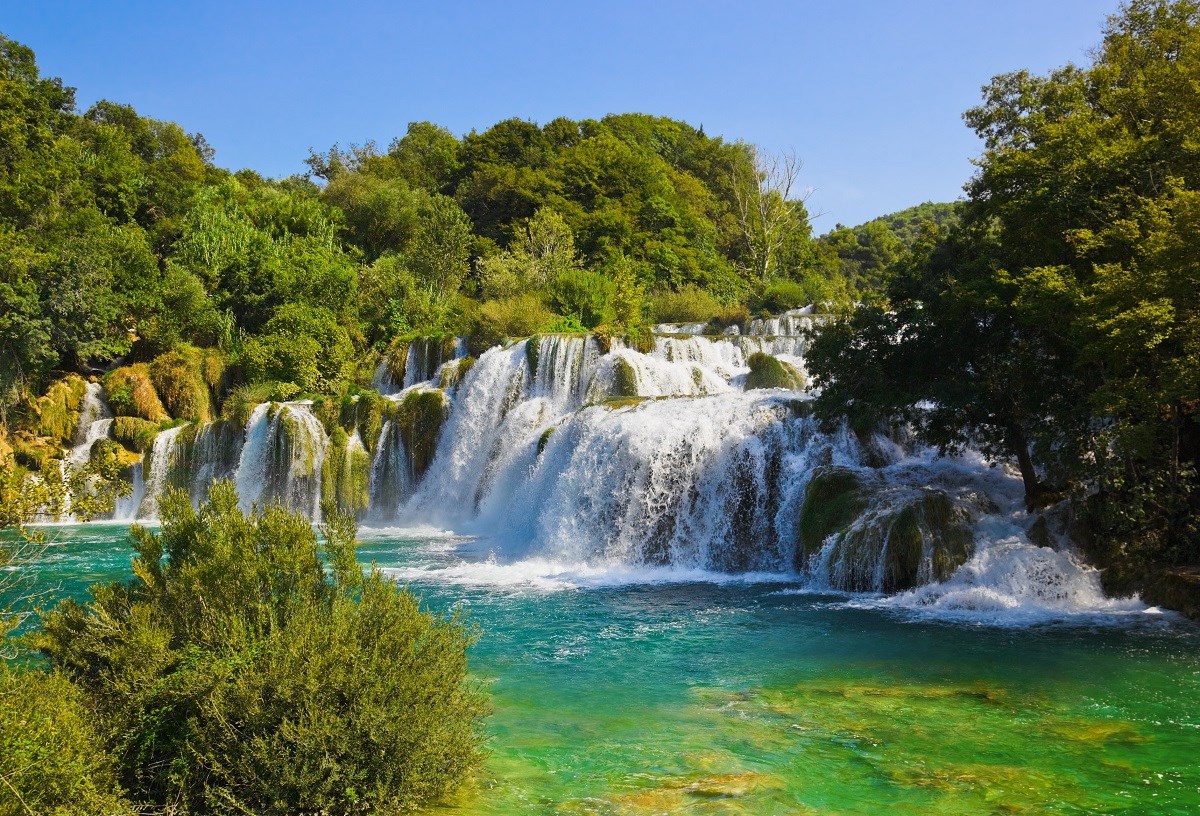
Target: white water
column 95, row 420
column 162, row 461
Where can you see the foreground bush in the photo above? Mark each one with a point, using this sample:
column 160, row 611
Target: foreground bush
column 51, row 760
column 237, row 675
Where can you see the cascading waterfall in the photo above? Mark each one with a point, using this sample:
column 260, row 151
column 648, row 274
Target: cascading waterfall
column 163, row 457
column 281, row 459
column 95, row 420
column 560, row 452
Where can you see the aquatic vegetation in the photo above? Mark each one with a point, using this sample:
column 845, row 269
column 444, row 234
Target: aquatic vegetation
column 130, row 392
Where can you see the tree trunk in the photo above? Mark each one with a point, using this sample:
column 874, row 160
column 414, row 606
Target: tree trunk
column 1019, row 446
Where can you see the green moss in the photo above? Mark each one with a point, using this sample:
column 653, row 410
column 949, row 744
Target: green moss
column 395, row 359
column 369, row 417
column 832, row 501
column 58, row 410
column 242, row 401
column 179, row 380
column 452, row 375
column 328, row 411
column 625, row 382
column 925, row 539
column 770, row 372
column 130, row 392
column 34, row 452
column 544, row 439
column 134, row 433
column 420, row 416
column 905, row 546
column 532, row 350
column 354, row 482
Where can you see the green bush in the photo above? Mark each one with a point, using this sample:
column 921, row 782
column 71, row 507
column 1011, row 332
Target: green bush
column 51, row 759
column 59, row 409
column 237, row 674
column 179, row 380
column 783, row 296
column 135, row 434
column 770, row 372
column 583, row 294
column 130, row 392
column 518, row 316
column 690, row 304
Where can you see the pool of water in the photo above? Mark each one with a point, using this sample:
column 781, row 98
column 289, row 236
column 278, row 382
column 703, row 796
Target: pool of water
column 645, row 692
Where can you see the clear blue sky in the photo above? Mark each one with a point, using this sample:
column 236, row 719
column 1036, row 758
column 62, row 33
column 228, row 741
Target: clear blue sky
column 870, row 94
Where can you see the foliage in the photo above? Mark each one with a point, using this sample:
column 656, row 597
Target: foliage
column 51, row 759
column 130, row 392
column 1057, row 323
column 767, row 371
column 235, row 673
column 690, row 304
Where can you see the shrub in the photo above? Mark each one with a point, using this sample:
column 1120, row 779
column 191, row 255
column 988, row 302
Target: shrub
column 238, row 674
column 179, row 380
column 59, row 409
column 583, row 294
column 130, row 392
column 690, row 304
column 732, row 316
column 784, row 296
column 518, row 316
column 50, row 755
column 135, row 434
column 770, row 372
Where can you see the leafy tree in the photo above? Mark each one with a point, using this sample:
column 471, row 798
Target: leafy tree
column 1057, row 321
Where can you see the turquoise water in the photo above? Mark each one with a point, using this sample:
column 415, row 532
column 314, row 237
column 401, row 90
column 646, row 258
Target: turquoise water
column 641, row 693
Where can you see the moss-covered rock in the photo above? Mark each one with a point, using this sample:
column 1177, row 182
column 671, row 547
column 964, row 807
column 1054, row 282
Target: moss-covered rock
column 34, row 452
column 345, row 478
column 533, row 348
column 242, row 401
column 179, row 380
column 395, row 359
column 544, row 439
column 130, row 392
column 134, row 433
column 453, row 374
column 625, row 381
column 923, row 539
column 771, row 372
column 832, row 501
column 107, row 447
column 419, row 417
column 1177, row 589
column 58, row 410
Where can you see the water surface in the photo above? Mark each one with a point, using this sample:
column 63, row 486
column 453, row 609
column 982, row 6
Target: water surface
column 642, row 692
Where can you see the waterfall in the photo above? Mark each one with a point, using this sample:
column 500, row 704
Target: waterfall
column 281, row 459
column 95, row 420
column 163, row 457
column 557, row 449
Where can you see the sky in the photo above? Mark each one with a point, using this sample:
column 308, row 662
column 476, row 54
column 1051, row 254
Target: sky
column 869, row 94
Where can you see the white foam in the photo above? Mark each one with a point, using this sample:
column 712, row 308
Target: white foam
column 1010, row 582
column 544, row 575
